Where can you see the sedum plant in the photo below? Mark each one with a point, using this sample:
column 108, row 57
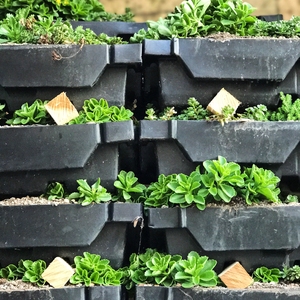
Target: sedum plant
column 194, row 111
column 288, row 111
column 292, row 199
column 291, row 274
column 258, row 113
column 188, row 190
column 194, row 18
column 260, row 184
column 222, row 178
column 160, row 269
column 280, row 28
column 26, row 270
column 128, row 187
column 226, row 115
column 137, row 268
column 93, row 111
column 55, row 190
column 196, row 271
column 153, row 267
column 79, row 10
column 158, row 193
column 220, row 181
column 33, row 271
column 264, row 274
column 35, row 113
column 12, row 272
column 24, row 27
column 90, row 269
column 99, row 111
column 88, row 194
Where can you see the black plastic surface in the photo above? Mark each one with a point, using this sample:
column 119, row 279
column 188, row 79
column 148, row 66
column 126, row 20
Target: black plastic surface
column 162, row 293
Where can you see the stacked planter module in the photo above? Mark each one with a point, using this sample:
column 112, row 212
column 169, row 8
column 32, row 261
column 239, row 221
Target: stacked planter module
column 254, row 71
column 34, row 156
column 67, row 293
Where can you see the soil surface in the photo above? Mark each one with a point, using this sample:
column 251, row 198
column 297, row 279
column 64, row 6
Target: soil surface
column 17, row 285
column 223, row 36
column 34, row 201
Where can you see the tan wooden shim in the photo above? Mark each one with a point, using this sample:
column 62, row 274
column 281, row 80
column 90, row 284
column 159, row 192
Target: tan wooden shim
column 236, row 277
column 58, row 273
column 61, row 109
column 222, row 99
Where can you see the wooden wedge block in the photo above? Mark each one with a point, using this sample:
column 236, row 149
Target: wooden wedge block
column 236, row 277
column 58, row 273
column 61, row 109
column 222, row 99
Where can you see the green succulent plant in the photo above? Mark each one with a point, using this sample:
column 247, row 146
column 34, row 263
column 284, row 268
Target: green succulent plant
column 264, row 274
column 222, row 178
column 291, row 274
column 35, row 113
column 90, row 269
column 279, row 28
column 137, row 268
column 33, row 271
column 160, row 269
column 194, row 111
column 258, row 113
column 12, row 272
column 188, row 190
column 196, row 271
column 158, row 193
column 289, row 110
column 193, row 18
column 81, row 10
column 128, row 187
column 152, row 267
column 23, row 27
column 260, row 184
column 292, row 199
column 99, row 111
column 88, row 194
column 55, row 190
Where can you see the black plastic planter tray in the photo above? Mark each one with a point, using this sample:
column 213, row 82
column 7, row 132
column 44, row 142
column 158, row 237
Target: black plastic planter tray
column 68, row 293
column 122, row 29
column 67, row 230
column 254, row 236
column 176, row 293
column 189, row 143
column 271, row 18
column 33, row 156
column 75, row 67
column 253, row 70
column 30, row 72
column 106, row 293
